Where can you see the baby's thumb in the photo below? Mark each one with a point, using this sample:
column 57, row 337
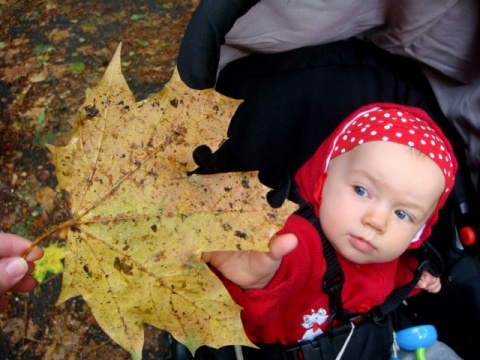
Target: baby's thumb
column 281, row 245
column 12, row 270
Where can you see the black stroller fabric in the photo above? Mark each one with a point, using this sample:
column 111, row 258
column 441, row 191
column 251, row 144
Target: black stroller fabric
column 293, row 100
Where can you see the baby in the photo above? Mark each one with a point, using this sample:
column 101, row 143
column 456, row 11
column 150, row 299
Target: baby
column 376, row 185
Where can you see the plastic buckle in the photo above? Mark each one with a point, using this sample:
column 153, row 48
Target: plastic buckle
column 334, row 285
column 306, row 351
column 293, row 354
column 377, row 316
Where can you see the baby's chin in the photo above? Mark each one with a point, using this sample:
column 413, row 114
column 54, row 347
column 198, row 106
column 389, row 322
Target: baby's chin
column 360, row 258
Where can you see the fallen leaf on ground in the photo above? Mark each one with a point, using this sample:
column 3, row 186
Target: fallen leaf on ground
column 46, row 198
column 39, row 77
column 51, row 262
column 138, row 224
column 56, row 36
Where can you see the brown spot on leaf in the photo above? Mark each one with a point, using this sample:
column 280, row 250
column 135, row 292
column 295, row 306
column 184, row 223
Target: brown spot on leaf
column 226, row 227
column 122, row 266
column 271, row 215
column 87, row 270
column 240, row 234
column 91, row 111
column 174, row 102
column 245, row 183
column 158, row 256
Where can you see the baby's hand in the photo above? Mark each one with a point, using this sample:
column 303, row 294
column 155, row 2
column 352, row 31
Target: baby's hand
column 429, row 283
column 252, row 269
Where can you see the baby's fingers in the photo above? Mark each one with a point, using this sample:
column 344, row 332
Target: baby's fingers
column 429, row 283
column 434, row 287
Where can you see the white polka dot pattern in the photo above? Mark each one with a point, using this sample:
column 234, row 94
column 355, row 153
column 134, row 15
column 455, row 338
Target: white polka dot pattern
column 400, row 127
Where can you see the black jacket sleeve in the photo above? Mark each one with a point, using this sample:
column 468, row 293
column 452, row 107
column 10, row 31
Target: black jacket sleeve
column 200, row 48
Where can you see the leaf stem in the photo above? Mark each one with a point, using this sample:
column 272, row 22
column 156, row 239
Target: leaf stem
column 63, row 225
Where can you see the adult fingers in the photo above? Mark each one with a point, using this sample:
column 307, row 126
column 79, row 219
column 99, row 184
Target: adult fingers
column 12, row 270
column 13, row 245
column 27, row 283
column 4, row 303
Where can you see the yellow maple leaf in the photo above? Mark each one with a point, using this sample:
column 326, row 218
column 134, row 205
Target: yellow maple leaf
column 138, row 224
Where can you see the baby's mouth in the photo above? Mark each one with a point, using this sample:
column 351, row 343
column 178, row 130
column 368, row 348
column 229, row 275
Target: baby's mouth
column 361, row 245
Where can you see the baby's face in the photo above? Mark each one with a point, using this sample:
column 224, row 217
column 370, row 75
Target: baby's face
column 376, row 198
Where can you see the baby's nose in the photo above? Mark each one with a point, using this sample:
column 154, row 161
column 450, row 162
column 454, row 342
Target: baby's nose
column 376, row 218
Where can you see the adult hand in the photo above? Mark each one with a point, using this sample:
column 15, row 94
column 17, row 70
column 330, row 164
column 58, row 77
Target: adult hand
column 252, row 269
column 14, row 270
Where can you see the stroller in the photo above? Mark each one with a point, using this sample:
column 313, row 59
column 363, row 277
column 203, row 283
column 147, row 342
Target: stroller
column 302, row 66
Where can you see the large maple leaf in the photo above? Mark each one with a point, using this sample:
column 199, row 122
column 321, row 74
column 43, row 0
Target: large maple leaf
column 138, row 224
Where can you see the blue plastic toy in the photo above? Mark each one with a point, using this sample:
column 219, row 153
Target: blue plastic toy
column 417, row 339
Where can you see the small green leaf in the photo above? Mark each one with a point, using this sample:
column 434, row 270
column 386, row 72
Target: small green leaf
column 3, row 45
column 41, row 118
column 77, row 67
column 48, row 138
column 20, row 228
column 42, row 48
column 136, row 17
column 38, row 49
column 143, row 43
column 43, row 58
column 51, row 262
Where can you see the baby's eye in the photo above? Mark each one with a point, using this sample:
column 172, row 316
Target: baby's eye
column 361, row 191
column 402, row 215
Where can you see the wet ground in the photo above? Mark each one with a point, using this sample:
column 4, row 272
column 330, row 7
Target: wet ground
column 51, row 53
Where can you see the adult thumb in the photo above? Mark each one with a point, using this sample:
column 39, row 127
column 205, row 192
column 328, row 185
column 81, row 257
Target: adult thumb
column 12, row 270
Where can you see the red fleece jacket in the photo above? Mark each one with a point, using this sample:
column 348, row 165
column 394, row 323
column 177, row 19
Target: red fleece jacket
column 287, row 310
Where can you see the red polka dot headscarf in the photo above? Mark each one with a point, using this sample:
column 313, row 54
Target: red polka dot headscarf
column 382, row 122
column 401, row 126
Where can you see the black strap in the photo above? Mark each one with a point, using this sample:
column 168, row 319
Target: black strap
column 334, row 278
column 433, row 263
column 397, row 296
